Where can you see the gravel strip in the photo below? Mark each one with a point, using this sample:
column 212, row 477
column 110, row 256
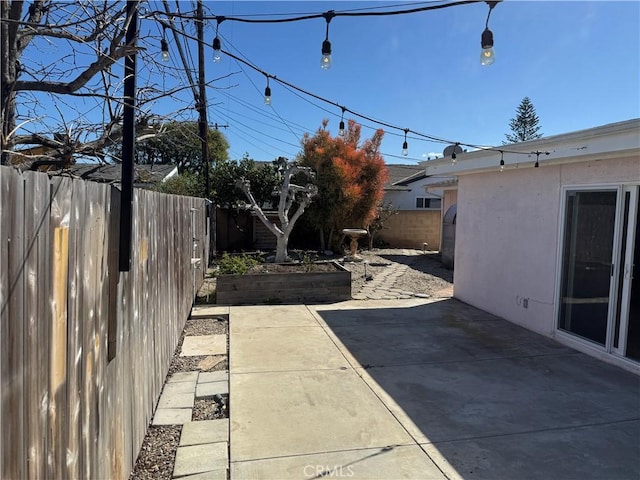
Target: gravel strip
column 158, row 453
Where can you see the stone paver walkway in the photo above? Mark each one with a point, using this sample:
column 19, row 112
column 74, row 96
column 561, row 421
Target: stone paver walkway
column 382, row 287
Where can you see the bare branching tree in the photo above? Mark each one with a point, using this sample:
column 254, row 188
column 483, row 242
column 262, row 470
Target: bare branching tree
column 62, row 80
column 292, row 203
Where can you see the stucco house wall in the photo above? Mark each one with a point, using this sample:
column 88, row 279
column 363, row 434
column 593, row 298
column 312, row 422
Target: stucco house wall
column 510, row 224
column 515, row 217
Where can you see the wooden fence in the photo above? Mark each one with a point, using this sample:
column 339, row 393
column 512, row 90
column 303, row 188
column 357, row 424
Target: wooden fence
column 84, row 349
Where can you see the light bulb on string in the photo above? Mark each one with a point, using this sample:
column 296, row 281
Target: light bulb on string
column 487, row 55
column 405, row 145
column 501, row 161
column 341, row 131
column 454, row 154
column 164, row 45
column 217, row 44
column 325, row 60
column 267, row 94
column 164, row 48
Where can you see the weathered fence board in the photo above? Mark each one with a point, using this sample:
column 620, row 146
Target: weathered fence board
column 84, row 348
column 37, row 315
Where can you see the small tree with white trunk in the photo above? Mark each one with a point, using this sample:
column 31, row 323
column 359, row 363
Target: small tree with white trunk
column 293, row 201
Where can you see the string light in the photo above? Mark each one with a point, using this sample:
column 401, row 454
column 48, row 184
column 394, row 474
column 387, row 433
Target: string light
column 501, row 161
column 325, row 61
column 405, row 146
column 341, row 130
column 366, row 117
column 454, row 155
column 217, row 45
column 164, row 45
column 267, row 94
column 487, row 55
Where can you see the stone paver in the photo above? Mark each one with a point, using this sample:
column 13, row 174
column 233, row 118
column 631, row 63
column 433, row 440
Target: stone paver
column 204, row 390
column 195, row 345
column 175, row 400
column 206, row 431
column 172, row 416
column 219, row 376
column 179, row 387
column 183, row 377
column 208, row 311
column 201, row 458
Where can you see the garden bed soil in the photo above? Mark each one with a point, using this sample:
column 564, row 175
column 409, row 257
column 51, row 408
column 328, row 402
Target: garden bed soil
column 274, row 283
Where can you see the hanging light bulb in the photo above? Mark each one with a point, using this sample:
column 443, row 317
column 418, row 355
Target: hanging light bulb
column 487, row 56
column 454, row 155
column 164, row 48
column 501, row 161
column 325, row 61
column 217, row 46
column 405, row 145
column 341, row 131
column 537, row 164
column 267, row 94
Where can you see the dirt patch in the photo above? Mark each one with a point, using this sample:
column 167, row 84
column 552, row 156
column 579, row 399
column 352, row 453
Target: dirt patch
column 294, row 268
column 210, row 408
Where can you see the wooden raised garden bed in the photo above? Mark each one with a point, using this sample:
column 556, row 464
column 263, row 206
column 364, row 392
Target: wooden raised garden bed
column 285, row 283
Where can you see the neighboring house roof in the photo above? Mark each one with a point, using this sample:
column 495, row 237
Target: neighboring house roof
column 144, row 175
column 610, row 141
column 401, row 175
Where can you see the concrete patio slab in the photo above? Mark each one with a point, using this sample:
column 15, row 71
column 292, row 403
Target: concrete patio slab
column 482, row 397
column 293, row 413
column 205, row 431
column 171, row 416
column 210, row 475
column 208, row 311
column 195, row 345
column 201, row 458
column 461, row 400
column 219, row 376
column 405, row 462
column 212, row 388
column 175, row 400
column 272, row 316
column 284, row 348
column 592, row 452
column 438, row 340
column 183, row 377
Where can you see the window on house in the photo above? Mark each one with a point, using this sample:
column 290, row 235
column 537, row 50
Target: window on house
column 429, row 203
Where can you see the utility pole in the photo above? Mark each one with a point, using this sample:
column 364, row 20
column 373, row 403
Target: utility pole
column 203, row 126
column 128, row 139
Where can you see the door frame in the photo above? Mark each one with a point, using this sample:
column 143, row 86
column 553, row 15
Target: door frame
column 606, row 351
column 623, row 305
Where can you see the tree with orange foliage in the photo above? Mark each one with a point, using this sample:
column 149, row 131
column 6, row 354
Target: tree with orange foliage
column 350, row 176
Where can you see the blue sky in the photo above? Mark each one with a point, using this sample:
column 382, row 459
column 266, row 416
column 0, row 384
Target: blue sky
column 579, row 62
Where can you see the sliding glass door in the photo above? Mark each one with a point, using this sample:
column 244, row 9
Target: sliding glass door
column 586, row 263
column 599, row 297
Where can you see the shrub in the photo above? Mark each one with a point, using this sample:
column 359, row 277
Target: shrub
column 235, row 264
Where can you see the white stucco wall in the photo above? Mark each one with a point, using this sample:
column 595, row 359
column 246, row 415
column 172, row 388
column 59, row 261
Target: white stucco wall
column 507, row 235
column 406, row 200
